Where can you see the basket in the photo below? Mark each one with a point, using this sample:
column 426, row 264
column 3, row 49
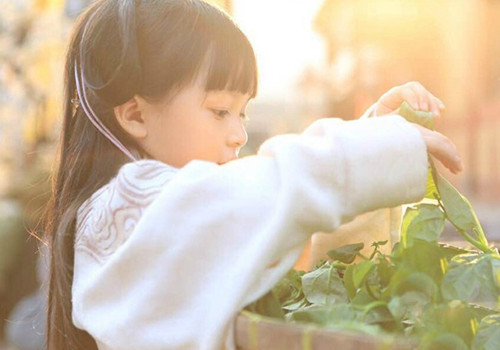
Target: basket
column 255, row 332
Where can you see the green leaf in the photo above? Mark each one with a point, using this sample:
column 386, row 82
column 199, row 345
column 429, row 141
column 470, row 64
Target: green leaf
column 446, row 341
column 378, row 312
column 348, row 281
column 458, row 208
column 385, row 271
column 454, row 317
column 296, row 305
column 426, row 119
column 289, row 289
column 488, row 334
column 473, row 278
column 326, row 316
column 347, row 253
column 379, row 243
column 425, row 222
column 416, row 282
column 268, row 305
column 323, row 287
column 360, row 272
column 427, row 257
column 431, row 190
column 339, row 316
column 408, row 306
column 410, row 292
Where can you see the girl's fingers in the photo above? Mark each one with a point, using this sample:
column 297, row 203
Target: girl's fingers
column 440, row 104
column 414, row 94
column 442, row 149
column 434, row 106
column 410, row 96
column 422, row 95
column 427, row 101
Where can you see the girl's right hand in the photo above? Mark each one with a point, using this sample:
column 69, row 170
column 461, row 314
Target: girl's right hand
column 441, row 148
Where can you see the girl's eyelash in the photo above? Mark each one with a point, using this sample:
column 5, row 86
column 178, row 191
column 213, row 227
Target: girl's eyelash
column 220, row 113
column 225, row 113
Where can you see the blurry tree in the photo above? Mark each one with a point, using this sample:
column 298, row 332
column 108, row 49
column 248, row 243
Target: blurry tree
column 32, row 39
column 452, row 47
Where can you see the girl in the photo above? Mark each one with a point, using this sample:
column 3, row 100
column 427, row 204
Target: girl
column 158, row 235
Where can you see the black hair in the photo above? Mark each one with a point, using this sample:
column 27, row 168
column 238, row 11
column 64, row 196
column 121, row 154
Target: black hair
column 126, row 48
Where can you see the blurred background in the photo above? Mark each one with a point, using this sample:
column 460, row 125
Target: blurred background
column 317, row 58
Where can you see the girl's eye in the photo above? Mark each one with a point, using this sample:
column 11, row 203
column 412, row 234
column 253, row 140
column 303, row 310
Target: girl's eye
column 220, row 113
column 224, row 113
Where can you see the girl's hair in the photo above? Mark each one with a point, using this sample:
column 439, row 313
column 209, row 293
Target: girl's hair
column 150, row 48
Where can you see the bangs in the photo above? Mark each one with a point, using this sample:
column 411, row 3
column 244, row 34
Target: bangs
column 230, row 64
column 194, row 43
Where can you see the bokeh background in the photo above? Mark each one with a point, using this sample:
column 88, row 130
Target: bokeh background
column 317, row 58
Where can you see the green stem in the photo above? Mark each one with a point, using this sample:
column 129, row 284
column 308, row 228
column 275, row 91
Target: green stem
column 363, row 256
column 373, row 253
column 339, row 265
column 372, row 306
column 369, row 290
column 478, row 244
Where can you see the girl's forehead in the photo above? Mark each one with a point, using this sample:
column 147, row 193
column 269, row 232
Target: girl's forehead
column 226, row 95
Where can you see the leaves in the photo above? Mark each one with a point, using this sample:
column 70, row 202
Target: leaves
column 431, row 191
column 488, row 334
column 439, row 296
column 473, row 278
column 324, row 286
column 425, row 222
column 347, row 253
column 452, row 317
column 342, row 316
column 268, row 305
column 458, row 208
column 445, row 341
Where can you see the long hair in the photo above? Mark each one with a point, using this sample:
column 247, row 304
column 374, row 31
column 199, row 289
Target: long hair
column 126, row 48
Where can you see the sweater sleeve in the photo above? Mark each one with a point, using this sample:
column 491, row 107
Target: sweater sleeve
column 204, row 248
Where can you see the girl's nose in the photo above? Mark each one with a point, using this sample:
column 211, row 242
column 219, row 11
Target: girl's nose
column 238, row 135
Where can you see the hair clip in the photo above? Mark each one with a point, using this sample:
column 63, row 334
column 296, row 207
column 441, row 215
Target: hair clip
column 76, row 103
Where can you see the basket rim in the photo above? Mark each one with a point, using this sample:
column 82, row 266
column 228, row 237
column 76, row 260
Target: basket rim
column 252, row 327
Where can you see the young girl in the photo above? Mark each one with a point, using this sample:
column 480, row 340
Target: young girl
column 158, row 235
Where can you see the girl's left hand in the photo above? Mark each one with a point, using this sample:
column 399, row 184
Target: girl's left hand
column 415, row 94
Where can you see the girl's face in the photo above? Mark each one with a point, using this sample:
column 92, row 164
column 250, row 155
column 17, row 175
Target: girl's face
column 195, row 124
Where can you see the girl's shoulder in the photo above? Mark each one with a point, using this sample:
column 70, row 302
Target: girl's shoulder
column 147, row 173
column 136, row 182
column 116, row 207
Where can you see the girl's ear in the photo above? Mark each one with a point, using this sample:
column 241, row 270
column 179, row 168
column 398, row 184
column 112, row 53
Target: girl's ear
column 131, row 117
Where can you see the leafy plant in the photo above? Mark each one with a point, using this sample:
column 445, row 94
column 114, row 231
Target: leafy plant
column 439, row 296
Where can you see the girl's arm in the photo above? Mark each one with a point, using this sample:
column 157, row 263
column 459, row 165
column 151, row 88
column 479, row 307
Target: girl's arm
column 202, row 250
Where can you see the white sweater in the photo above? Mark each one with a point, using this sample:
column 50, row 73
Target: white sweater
column 165, row 258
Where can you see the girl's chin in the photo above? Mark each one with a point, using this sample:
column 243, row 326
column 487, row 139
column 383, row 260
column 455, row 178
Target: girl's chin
column 226, row 161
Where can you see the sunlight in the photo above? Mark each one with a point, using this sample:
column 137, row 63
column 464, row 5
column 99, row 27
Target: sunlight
column 283, row 39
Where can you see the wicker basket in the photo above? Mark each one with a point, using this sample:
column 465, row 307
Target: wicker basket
column 254, row 332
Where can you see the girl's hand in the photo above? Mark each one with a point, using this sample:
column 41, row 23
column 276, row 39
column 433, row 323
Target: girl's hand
column 413, row 93
column 441, row 148
column 438, row 145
